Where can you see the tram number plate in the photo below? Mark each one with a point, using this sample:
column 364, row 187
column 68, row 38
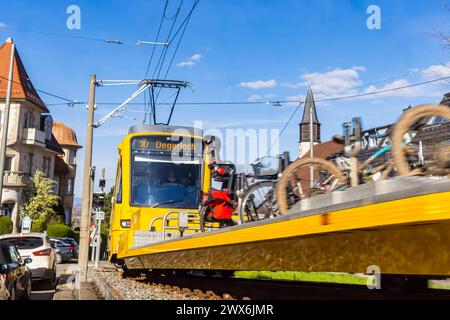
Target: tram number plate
column 183, row 219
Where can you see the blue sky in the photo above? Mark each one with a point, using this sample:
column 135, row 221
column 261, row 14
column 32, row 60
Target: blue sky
column 247, row 50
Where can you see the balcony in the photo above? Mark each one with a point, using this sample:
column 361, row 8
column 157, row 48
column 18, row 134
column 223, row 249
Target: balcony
column 34, row 137
column 16, row 179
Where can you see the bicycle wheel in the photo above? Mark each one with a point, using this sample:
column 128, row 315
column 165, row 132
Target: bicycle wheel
column 257, row 202
column 295, row 183
column 208, row 224
column 205, row 225
column 436, row 157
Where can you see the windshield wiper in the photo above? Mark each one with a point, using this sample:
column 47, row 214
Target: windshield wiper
column 166, row 202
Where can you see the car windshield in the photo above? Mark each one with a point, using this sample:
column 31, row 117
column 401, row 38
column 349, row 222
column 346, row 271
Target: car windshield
column 163, row 178
column 24, row 242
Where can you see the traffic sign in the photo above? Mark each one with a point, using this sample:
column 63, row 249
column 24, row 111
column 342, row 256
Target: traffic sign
column 100, row 215
column 26, row 225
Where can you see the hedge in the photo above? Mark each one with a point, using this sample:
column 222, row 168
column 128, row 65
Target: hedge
column 6, row 225
column 60, row 231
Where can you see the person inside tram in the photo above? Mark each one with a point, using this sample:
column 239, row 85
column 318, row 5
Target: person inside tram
column 172, row 178
column 144, row 184
column 188, row 181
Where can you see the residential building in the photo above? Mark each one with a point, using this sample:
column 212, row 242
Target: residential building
column 30, row 144
column 66, row 166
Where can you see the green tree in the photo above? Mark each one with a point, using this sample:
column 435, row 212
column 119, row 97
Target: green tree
column 108, row 205
column 60, row 231
column 41, row 206
column 6, row 225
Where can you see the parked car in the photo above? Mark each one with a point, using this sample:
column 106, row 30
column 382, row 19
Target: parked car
column 4, row 293
column 14, row 273
column 64, row 251
column 74, row 246
column 37, row 247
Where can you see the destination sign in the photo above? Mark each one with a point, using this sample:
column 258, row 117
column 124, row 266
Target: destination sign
column 167, row 144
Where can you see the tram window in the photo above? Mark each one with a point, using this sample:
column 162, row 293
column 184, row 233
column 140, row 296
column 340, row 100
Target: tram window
column 157, row 182
column 118, row 186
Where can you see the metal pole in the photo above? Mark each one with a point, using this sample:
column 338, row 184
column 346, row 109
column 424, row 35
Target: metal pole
column 91, row 196
column 86, row 210
column 5, row 125
column 311, row 147
column 99, row 242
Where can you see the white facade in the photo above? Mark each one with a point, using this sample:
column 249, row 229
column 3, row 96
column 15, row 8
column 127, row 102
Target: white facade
column 26, row 153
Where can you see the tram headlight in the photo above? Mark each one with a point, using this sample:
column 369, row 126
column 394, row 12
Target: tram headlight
column 125, row 223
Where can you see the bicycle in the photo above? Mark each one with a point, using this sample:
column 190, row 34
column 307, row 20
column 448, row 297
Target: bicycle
column 258, row 201
column 411, row 156
column 407, row 159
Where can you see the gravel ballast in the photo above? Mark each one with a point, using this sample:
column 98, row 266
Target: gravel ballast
column 113, row 286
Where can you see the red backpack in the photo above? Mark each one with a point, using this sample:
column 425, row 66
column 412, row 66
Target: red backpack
column 220, row 205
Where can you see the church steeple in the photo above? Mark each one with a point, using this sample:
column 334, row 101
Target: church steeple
column 305, row 123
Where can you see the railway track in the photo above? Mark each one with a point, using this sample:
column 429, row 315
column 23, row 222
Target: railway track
column 248, row 289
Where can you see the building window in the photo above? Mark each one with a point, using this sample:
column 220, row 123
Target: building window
column 30, row 164
column 71, row 157
column 48, row 127
column 8, row 163
column 25, row 119
column 56, row 189
column 47, row 164
column 69, row 187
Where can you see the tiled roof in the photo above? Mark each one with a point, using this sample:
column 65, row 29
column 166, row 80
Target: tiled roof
column 326, row 149
column 322, row 150
column 22, row 88
column 65, row 135
column 53, row 145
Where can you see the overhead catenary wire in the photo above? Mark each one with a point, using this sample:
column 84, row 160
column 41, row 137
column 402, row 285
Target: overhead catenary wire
column 186, row 23
column 111, row 41
column 162, row 57
column 285, row 127
column 71, row 101
column 183, row 27
column 271, row 102
column 151, row 58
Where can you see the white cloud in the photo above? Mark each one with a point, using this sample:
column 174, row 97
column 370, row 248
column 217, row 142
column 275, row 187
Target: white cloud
column 196, row 57
column 403, row 93
column 187, row 63
column 259, row 84
column 437, row 71
column 331, row 82
column 192, row 61
column 2, row 24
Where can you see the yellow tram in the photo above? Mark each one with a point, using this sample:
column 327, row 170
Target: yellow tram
column 160, row 169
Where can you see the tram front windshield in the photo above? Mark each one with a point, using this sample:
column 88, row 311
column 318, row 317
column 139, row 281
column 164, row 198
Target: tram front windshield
column 162, row 179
